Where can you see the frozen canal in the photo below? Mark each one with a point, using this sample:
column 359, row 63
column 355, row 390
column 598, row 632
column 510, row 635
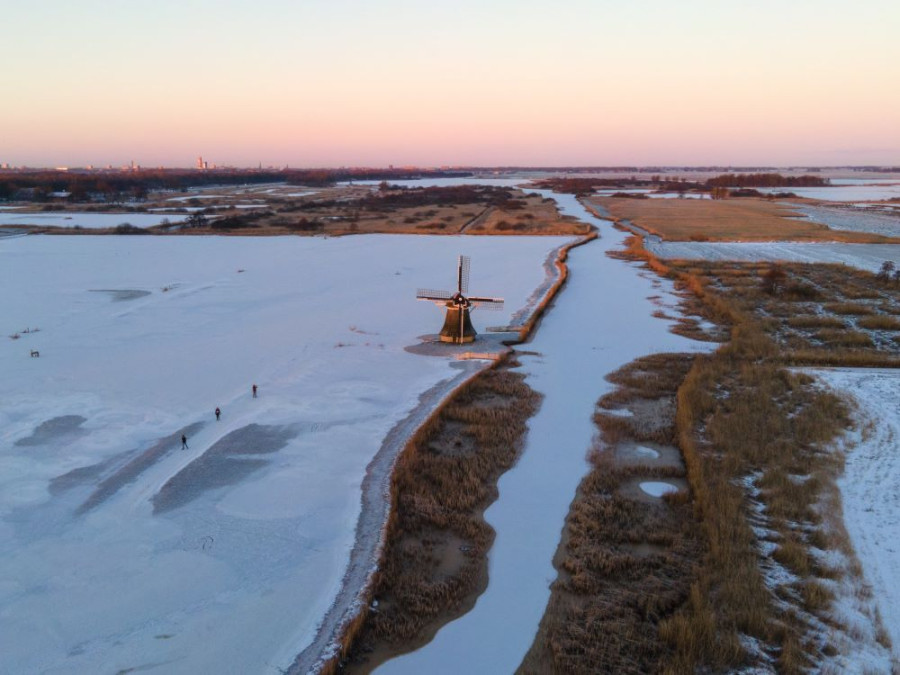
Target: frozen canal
column 119, row 550
column 601, row 321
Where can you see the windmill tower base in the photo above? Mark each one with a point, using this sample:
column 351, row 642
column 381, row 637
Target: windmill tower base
column 452, row 324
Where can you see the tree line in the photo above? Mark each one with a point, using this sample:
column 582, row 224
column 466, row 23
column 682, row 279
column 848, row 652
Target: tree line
column 117, row 185
column 741, row 180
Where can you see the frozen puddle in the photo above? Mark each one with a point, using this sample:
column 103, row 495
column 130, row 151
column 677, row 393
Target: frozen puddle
column 119, row 550
column 601, row 320
column 643, row 451
column 658, row 488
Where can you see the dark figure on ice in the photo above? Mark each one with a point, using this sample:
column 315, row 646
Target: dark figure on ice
column 254, row 391
column 184, row 445
column 218, row 412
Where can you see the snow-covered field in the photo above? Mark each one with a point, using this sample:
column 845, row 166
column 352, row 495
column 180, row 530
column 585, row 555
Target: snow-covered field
column 870, row 486
column 852, row 219
column 118, row 549
column 87, row 219
column 863, row 256
column 844, row 192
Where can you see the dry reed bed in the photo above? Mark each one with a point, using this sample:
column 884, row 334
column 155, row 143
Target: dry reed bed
column 435, row 561
column 625, row 562
column 755, row 439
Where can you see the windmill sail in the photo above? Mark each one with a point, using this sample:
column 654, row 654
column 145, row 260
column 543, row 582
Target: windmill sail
column 463, row 273
column 433, row 295
column 490, row 304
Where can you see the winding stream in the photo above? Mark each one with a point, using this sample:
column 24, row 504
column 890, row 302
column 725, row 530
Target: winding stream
column 600, row 321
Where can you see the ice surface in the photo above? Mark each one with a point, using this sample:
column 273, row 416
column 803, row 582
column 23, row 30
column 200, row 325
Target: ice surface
column 229, row 575
column 644, row 451
column 658, row 488
column 87, row 219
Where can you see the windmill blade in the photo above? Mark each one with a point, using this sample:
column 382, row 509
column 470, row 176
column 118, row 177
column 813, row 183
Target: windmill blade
column 479, row 299
column 430, row 294
column 462, row 326
column 489, row 304
column 463, row 274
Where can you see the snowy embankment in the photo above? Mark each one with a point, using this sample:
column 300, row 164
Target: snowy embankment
column 870, row 486
column 119, row 549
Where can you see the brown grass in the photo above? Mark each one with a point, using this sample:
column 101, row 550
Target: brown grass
column 879, row 322
column 847, row 308
column 844, row 338
column 624, row 562
column 815, row 321
column 538, row 217
column 752, row 435
column 725, row 220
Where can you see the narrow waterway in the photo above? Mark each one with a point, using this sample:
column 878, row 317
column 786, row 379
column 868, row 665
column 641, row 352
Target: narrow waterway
column 600, row 321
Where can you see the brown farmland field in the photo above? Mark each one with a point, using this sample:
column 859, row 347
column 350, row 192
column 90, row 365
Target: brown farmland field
column 745, row 219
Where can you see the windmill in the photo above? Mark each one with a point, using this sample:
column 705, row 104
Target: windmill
column 458, row 325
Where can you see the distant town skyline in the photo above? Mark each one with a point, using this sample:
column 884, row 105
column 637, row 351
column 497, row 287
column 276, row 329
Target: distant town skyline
column 399, row 82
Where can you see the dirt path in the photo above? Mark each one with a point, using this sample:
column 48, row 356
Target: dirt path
column 480, row 218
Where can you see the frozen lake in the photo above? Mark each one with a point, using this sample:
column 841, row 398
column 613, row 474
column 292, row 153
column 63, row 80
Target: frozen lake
column 119, row 549
column 87, row 219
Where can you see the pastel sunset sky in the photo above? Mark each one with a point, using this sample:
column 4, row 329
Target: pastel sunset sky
column 462, row 82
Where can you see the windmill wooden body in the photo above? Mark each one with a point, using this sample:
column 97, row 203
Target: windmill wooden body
column 458, row 323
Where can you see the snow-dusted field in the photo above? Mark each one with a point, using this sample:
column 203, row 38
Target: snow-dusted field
column 118, row 549
column 87, row 219
column 852, row 219
column 845, row 192
column 863, row 256
column 870, row 486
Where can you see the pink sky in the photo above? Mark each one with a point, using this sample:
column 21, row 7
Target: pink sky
column 348, row 82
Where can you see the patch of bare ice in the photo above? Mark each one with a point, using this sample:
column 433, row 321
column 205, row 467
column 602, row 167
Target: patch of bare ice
column 644, row 451
column 657, row 488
